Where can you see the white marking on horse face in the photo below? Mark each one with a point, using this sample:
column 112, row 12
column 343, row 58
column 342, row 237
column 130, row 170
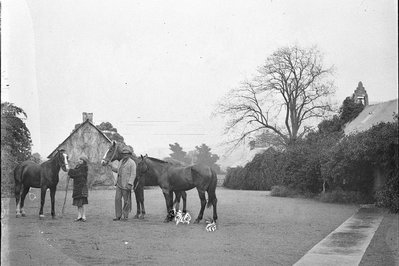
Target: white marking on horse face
column 66, row 161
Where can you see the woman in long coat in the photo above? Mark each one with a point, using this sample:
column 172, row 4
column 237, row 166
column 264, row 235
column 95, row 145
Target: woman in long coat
column 80, row 190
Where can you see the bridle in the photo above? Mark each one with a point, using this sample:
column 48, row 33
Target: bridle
column 113, row 155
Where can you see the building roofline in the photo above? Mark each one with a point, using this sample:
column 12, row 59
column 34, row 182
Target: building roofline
column 73, row 132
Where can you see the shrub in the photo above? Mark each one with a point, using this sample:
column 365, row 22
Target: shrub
column 281, row 191
column 340, row 196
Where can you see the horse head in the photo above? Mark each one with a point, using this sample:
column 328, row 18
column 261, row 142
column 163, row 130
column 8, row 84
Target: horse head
column 111, row 154
column 62, row 159
column 142, row 166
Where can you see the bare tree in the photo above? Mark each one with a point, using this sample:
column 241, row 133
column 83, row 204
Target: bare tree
column 291, row 88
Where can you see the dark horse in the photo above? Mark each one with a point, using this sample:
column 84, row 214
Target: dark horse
column 179, row 194
column 182, row 178
column 115, row 153
column 30, row 174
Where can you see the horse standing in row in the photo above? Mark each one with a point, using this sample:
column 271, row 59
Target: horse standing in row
column 178, row 178
column 30, row 174
column 179, row 194
column 114, row 153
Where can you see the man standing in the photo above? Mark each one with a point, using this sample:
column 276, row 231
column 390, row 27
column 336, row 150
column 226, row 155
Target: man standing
column 124, row 183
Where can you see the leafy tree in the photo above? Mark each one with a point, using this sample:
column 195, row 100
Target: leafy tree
column 15, row 144
column 205, row 157
column 111, row 132
column 291, row 88
column 15, row 136
column 36, row 157
column 178, row 153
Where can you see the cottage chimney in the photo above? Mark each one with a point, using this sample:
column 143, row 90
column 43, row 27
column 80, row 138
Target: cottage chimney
column 87, row 116
column 360, row 95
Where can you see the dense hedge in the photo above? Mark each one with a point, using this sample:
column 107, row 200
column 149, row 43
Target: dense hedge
column 347, row 164
column 261, row 173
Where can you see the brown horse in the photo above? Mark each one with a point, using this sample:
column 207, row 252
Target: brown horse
column 182, row 178
column 30, row 174
column 115, row 153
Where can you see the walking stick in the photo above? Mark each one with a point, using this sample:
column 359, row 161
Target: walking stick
column 66, row 191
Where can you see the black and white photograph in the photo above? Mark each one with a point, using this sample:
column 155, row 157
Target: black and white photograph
column 260, row 132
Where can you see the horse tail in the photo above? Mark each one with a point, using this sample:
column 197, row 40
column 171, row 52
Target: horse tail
column 212, row 189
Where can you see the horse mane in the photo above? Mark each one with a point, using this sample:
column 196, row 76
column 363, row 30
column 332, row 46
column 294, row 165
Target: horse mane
column 157, row 160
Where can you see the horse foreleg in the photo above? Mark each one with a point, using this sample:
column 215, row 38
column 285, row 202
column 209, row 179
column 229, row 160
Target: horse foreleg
column 25, row 191
column 52, row 197
column 201, row 195
column 42, row 200
column 142, row 209
column 169, row 206
column 137, row 204
column 141, row 200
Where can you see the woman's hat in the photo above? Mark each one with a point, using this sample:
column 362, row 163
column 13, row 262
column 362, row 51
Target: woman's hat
column 84, row 158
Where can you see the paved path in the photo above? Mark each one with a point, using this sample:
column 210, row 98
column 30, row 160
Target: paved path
column 346, row 244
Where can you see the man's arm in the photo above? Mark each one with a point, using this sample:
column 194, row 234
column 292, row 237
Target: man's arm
column 132, row 175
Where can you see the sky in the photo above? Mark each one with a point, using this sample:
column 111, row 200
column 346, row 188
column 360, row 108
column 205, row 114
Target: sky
column 156, row 69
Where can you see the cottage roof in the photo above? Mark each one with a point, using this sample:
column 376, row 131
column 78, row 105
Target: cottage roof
column 372, row 115
column 73, row 132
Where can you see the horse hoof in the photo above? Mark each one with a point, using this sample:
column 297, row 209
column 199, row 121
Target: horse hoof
column 141, row 217
column 41, row 217
column 18, row 215
column 54, row 217
column 136, row 217
column 23, row 214
column 197, row 221
column 166, row 220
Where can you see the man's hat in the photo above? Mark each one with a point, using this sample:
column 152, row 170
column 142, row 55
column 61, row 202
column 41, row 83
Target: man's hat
column 127, row 150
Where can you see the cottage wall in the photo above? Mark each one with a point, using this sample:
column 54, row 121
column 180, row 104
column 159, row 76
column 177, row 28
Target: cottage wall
column 87, row 140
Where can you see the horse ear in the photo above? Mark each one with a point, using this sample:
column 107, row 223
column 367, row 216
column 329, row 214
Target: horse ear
column 146, row 155
column 141, row 157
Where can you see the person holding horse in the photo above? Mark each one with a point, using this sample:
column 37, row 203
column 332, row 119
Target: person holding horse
column 124, row 183
column 80, row 190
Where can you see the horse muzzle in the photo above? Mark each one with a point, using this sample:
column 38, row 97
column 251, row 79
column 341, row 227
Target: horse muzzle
column 104, row 162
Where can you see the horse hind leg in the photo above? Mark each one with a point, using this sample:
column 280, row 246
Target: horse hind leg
column 25, row 191
column 17, row 191
column 203, row 203
column 184, row 196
